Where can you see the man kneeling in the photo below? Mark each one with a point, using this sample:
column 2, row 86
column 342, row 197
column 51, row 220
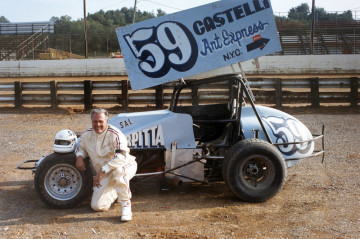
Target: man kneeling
column 109, row 156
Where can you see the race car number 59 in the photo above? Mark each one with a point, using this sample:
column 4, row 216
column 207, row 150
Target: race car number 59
column 170, row 45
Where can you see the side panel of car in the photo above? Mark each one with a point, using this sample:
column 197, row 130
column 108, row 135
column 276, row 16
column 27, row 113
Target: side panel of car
column 177, row 157
column 282, row 128
column 156, row 129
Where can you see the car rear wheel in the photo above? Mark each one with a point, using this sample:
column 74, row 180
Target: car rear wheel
column 59, row 184
column 254, row 170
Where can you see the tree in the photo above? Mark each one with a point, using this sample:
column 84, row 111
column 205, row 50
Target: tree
column 280, row 18
column 65, row 25
column 345, row 16
column 300, row 12
column 320, row 14
column 101, row 27
column 160, row 13
column 3, row 19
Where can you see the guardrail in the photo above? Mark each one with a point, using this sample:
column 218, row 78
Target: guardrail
column 276, row 91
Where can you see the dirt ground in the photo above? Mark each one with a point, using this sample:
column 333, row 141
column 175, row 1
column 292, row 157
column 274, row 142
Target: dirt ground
column 317, row 201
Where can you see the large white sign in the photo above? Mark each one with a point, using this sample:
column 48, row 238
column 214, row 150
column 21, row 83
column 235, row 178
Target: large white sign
column 197, row 40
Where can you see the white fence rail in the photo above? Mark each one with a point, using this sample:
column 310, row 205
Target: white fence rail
column 276, row 91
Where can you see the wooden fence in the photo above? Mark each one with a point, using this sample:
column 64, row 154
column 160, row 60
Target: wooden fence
column 274, row 91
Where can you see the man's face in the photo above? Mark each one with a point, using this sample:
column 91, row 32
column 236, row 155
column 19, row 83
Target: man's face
column 99, row 123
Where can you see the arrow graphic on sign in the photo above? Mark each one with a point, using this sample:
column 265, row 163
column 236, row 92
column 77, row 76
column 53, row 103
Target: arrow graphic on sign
column 257, row 44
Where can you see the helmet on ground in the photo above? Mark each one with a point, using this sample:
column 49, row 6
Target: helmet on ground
column 65, row 141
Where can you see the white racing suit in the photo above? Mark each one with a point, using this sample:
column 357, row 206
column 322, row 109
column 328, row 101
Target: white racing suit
column 108, row 151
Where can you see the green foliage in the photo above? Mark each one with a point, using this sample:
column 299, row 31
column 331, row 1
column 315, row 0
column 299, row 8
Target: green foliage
column 160, row 13
column 101, row 33
column 65, row 25
column 3, row 19
column 300, row 12
column 280, row 18
column 322, row 15
column 303, row 13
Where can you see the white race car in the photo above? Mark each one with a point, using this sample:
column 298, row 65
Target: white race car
column 247, row 146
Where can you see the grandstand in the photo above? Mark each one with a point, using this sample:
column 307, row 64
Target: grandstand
column 331, row 37
column 19, row 41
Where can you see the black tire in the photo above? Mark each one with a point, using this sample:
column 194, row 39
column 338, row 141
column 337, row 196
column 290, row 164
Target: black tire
column 254, row 170
column 59, row 184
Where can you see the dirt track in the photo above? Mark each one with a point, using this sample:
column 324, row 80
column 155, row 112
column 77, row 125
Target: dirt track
column 317, row 201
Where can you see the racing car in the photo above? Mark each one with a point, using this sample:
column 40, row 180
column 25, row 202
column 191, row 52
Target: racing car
column 247, row 146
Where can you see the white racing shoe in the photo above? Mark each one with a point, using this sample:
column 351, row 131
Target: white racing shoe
column 126, row 214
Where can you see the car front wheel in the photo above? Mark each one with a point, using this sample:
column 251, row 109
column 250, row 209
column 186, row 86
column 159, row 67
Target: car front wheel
column 254, row 170
column 59, row 184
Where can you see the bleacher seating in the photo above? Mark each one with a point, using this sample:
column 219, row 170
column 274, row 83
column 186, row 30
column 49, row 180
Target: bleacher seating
column 330, row 37
column 18, row 40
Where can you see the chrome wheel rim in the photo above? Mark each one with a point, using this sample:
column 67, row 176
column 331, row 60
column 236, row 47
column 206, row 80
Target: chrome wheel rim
column 63, row 182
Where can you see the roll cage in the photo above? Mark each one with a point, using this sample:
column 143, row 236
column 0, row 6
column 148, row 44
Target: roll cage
column 227, row 116
column 224, row 119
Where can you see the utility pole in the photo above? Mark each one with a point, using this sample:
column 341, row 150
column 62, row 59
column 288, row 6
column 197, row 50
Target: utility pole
column 85, row 31
column 133, row 19
column 312, row 28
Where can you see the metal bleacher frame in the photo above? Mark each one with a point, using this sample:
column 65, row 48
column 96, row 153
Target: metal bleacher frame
column 331, row 37
column 19, row 40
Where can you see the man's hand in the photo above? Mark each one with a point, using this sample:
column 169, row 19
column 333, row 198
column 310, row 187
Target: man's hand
column 80, row 164
column 97, row 179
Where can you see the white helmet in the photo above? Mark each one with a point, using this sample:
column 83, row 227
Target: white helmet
column 65, row 141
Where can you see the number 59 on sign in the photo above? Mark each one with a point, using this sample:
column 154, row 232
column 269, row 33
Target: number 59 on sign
column 197, row 40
